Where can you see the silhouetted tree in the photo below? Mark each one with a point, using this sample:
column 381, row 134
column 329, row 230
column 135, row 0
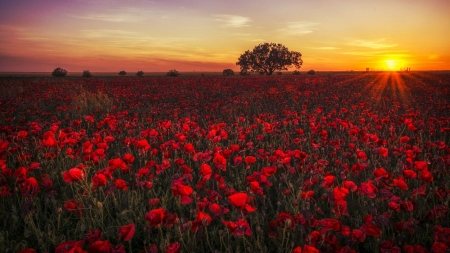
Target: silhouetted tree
column 140, row 73
column 296, row 72
column 279, row 73
column 59, row 72
column 173, row 73
column 86, row 73
column 122, row 73
column 269, row 57
column 311, row 72
column 228, row 72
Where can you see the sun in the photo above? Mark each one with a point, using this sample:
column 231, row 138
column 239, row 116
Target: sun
column 391, row 64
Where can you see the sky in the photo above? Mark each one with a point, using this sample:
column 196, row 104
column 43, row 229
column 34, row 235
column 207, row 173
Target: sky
column 210, row 35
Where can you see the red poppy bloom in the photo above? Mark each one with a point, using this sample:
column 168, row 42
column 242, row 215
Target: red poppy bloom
column 73, row 175
column 173, row 248
column 203, row 218
column 126, row 232
column 328, row 181
column 400, row 183
column 309, row 249
column 307, row 195
column 239, row 228
column 383, row 151
column 369, row 189
column 189, row 148
column 426, row 176
column 128, row 158
column 100, row 247
column 70, row 246
column 121, row 184
column 358, row 235
column 29, row 188
column 206, row 171
column 155, row 217
column 153, row 201
column 239, row 201
column 74, row 206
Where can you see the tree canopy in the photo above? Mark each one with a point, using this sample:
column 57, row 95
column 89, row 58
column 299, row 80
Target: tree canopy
column 269, row 57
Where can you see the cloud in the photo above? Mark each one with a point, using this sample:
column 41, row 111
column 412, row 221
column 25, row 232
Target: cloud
column 299, row 28
column 374, row 44
column 232, row 21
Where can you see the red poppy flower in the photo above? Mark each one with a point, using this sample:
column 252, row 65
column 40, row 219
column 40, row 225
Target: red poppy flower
column 206, row 171
column 409, row 174
column 328, row 181
column 121, row 184
column 126, row 232
column 203, row 218
column 173, row 248
column 297, row 249
column 153, row 201
column 307, row 195
column 400, row 183
column 383, row 151
column 155, row 217
column 239, row 228
column 369, row 189
column 128, row 158
column 358, row 235
column 74, row 206
column 29, row 188
column 380, row 173
column 70, row 246
column 99, row 179
column 426, row 176
column 309, row 249
column 239, row 201
column 189, row 148
column 73, row 175
column 100, row 247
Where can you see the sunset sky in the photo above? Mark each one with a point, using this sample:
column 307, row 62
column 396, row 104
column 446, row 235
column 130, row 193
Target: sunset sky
column 209, row 35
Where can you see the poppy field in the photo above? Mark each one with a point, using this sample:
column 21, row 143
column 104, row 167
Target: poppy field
column 344, row 162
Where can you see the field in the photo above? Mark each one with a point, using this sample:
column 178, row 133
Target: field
column 343, row 162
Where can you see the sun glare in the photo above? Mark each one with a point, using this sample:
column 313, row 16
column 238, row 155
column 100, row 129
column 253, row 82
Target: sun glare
column 391, row 64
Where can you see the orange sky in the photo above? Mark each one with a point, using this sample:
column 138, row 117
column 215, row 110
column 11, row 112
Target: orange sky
column 205, row 35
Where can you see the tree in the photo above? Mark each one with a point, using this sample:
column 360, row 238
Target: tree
column 173, row 73
column 59, row 72
column 86, row 73
column 228, row 72
column 311, row 72
column 296, row 73
column 269, row 57
column 122, row 73
column 140, row 73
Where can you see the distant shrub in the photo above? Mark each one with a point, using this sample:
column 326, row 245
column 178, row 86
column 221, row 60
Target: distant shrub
column 202, row 75
column 140, row 73
column 262, row 73
column 173, row 73
column 280, row 73
column 311, row 72
column 296, row 72
column 86, row 73
column 228, row 72
column 122, row 73
column 59, row 72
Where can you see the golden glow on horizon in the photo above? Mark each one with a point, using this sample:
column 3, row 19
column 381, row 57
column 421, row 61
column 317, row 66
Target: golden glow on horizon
column 391, row 64
column 156, row 36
